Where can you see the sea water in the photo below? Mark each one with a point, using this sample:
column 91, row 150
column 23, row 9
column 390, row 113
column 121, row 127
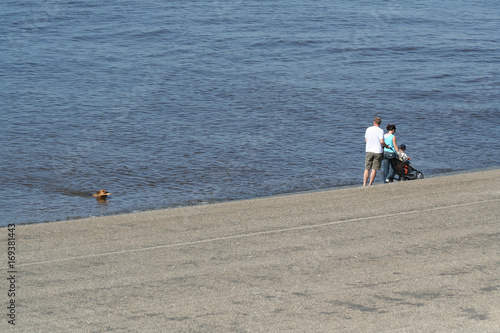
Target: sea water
column 183, row 102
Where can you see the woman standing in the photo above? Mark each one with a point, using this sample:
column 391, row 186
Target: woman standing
column 390, row 152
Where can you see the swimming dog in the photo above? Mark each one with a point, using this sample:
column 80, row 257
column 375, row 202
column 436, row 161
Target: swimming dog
column 101, row 194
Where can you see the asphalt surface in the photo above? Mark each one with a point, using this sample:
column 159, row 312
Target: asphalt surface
column 417, row 256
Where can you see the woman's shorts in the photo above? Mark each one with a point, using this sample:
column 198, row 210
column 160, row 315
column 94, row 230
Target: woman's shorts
column 373, row 161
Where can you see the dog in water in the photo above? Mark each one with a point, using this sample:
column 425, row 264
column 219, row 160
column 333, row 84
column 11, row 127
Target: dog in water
column 101, row 195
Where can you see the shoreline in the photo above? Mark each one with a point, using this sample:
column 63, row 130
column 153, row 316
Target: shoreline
column 337, row 188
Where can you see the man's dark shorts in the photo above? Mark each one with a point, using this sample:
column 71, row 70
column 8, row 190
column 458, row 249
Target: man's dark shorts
column 373, row 161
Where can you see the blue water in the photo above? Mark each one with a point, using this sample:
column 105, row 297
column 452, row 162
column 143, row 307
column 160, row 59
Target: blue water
column 179, row 102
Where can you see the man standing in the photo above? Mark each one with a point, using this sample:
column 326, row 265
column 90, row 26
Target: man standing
column 374, row 138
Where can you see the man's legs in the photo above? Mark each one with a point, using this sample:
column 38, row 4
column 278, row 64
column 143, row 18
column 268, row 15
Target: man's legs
column 372, row 162
column 372, row 177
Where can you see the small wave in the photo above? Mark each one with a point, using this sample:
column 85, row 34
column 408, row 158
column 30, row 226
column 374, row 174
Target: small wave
column 151, row 33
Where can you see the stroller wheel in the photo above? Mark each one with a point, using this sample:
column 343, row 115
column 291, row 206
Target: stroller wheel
column 420, row 175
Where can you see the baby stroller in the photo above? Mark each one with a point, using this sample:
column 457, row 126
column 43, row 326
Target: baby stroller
column 404, row 170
